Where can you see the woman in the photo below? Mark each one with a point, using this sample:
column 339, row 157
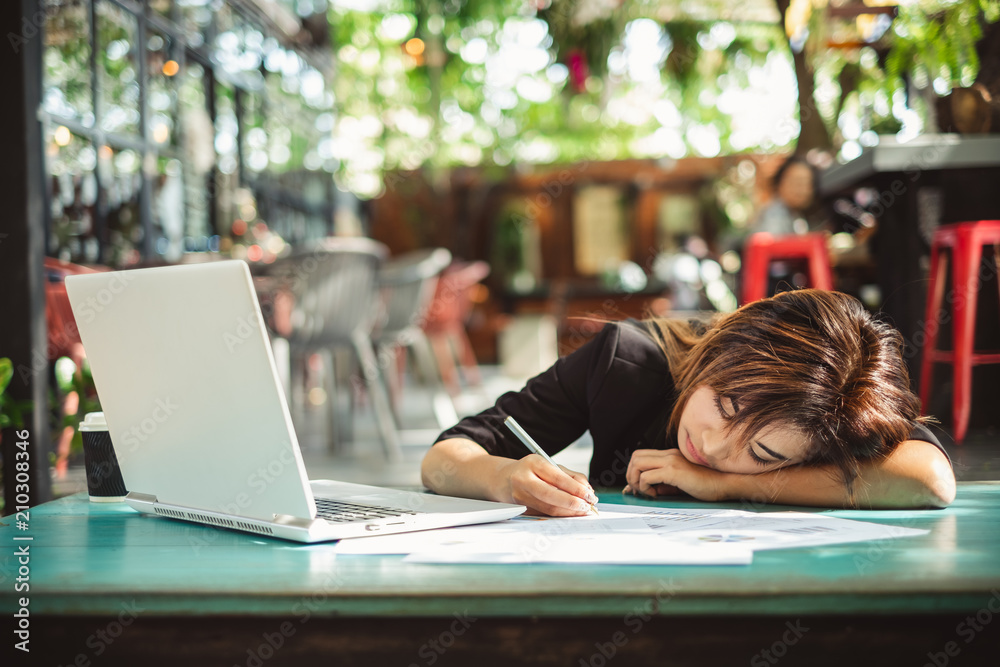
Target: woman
column 802, row 399
column 794, row 188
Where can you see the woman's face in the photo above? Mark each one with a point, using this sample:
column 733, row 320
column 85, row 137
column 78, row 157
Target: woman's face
column 703, row 439
column 796, row 187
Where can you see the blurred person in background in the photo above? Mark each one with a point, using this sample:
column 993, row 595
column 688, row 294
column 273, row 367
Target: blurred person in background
column 794, row 185
column 794, row 191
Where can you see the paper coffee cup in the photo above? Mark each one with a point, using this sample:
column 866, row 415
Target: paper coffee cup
column 104, row 477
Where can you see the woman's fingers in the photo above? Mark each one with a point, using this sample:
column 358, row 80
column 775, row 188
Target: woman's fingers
column 563, row 479
column 650, row 480
column 655, row 472
column 682, row 477
column 643, row 460
column 585, row 486
column 551, row 490
column 549, row 500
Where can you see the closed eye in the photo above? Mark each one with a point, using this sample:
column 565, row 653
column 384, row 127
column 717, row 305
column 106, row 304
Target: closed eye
column 778, row 458
column 756, row 459
column 722, row 411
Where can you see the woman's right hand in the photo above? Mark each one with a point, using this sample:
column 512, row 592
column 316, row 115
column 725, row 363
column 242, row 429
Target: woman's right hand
column 534, row 482
column 460, row 467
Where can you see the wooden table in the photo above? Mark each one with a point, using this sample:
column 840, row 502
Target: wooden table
column 109, row 586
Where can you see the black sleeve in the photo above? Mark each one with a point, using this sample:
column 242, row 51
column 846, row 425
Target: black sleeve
column 553, row 407
column 921, row 432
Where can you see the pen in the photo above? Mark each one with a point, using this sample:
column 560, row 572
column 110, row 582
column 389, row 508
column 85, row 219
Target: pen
column 523, row 436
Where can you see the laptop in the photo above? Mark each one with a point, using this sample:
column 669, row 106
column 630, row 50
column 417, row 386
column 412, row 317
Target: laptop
column 198, row 417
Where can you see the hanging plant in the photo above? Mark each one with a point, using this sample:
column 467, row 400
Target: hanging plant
column 508, row 247
column 579, row 70
column 681, row 62
column 583, row 34
column 942, row 44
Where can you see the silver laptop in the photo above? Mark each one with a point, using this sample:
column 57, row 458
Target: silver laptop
column 199, row 421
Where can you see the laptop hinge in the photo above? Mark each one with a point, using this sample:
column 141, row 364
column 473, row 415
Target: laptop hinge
column 289, row 520
column 141, row 497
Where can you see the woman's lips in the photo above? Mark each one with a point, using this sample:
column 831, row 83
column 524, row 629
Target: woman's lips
column 694, row 453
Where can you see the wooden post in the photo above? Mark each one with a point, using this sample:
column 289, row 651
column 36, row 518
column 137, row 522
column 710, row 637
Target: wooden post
column 22, row 241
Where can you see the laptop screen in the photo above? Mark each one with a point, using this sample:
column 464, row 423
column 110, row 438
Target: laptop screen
column 187, row 382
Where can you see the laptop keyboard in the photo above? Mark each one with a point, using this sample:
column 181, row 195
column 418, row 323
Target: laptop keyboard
column 340, row 512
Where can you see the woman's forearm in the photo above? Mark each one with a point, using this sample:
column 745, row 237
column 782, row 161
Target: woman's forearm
column 916, row 474
column 460, row 467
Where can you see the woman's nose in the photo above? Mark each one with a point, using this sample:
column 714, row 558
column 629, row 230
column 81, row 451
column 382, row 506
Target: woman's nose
column 714, row 446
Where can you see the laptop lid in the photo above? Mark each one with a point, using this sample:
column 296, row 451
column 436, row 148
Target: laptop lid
column 189, row 388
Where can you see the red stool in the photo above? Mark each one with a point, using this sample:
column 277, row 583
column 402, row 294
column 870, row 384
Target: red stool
column 966, row 240
column 762, row 248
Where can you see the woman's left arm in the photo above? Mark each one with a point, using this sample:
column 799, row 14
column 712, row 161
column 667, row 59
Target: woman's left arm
column 916, row 474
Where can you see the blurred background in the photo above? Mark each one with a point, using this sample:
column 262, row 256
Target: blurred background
column 519, row 171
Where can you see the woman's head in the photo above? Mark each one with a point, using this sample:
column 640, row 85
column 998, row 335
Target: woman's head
column 808, row 375
column 795, row 183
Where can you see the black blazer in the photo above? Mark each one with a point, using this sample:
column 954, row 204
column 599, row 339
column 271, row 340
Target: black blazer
column 617, row 386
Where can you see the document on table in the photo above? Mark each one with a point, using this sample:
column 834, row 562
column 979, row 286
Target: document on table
column 759, row 530
column 627, row 535
column 611, row 538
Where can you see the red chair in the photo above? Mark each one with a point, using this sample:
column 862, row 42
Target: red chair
column 762, row 248
column 63, row 336
column 63, row 341
column 966, row 241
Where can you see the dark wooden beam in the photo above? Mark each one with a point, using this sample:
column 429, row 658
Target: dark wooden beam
column 22, row 241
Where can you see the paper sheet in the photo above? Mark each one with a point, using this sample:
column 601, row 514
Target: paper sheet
column 594, row 549
column 759, row 530
column 612, row 538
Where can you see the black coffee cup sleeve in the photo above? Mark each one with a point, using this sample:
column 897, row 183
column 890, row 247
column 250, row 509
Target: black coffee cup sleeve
column 104, row 477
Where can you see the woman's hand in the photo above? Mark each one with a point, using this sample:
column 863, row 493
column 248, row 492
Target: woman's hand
column 532, row 481
column 662, row 472
column 460, row 467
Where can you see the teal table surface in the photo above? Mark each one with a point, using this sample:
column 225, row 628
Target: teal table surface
column 91, row 559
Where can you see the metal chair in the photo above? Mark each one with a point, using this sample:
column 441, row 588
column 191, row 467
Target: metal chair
column 408, row 283
column 445, row 323
column 762, row 248
column 334, row 288
column 964, row 241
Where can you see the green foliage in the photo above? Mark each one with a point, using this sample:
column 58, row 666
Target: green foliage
column 508, row 245
column 445, row 110
column 680, row 63
column 937, row 40
column 11, row 410
column 6, row 373
column 570, row 30
column 460, row 108
column 69, row 379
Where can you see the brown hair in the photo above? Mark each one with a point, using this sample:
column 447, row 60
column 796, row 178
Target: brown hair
column 812, row 360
